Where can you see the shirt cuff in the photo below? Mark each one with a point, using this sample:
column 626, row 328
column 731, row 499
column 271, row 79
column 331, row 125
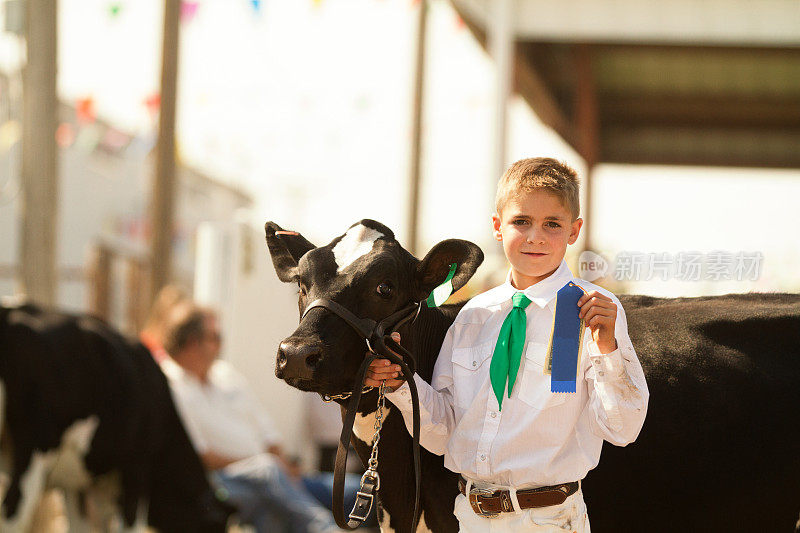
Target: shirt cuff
column 401, row 397
column 608, row 366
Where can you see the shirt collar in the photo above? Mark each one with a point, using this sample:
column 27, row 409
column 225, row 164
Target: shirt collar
column 540, row 293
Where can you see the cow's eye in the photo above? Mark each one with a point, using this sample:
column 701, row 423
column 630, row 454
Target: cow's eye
column 384, row 289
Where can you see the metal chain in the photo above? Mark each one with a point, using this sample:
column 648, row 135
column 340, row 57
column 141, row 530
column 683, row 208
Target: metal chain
column 344, row 396
column 373, row 458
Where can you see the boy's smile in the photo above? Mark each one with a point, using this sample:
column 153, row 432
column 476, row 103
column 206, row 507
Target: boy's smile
column 535, row 229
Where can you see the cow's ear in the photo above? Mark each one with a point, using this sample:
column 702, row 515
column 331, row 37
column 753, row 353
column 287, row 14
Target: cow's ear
column 286, row 249
column 433, row 269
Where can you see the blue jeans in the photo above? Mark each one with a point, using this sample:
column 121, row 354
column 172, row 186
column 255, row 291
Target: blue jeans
column 269, row 501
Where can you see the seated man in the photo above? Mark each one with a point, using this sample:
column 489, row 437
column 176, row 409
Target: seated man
column 232, row 434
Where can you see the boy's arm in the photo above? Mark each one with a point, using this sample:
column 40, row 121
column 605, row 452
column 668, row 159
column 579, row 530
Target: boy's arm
column 437, row 418
column 618, row 393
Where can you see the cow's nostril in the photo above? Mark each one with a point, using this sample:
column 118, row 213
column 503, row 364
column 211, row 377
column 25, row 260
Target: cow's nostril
column 298, row 359
column 312, row 359
column 282, row 360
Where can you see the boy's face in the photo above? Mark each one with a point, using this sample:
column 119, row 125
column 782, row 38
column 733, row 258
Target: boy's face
column 535, row 229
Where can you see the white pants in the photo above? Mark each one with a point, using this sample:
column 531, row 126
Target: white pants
column 569, row 516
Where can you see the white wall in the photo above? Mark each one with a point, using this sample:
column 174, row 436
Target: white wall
column 257, row 311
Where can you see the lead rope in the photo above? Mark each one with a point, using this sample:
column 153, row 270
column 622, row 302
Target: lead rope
column 371, row 480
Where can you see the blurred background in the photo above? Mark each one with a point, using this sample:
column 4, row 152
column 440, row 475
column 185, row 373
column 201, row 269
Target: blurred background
column 145, row 142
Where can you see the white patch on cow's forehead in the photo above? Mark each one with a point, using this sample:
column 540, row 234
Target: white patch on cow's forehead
column 356, row 242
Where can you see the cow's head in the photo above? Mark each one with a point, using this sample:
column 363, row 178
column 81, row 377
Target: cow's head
column 368, row 272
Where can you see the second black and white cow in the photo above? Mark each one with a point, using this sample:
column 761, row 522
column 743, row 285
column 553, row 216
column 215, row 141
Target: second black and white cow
column 88, row 411
column 720, row 450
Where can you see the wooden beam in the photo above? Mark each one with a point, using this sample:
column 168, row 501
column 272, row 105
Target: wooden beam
column 776, row 148
column 531, row 85
column 587, row 117
column 100, row 275
column 587, row 126
column 782, row 52
column 502, row 48
column 39, row 172
column 137, row 300
column 786, row 161
column 472, row 25
column 164, row 184
column 757, row 112
column 416, row 129
column 65, row 273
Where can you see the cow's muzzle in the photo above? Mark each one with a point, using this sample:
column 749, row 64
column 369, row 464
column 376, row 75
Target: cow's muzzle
column 297, row 360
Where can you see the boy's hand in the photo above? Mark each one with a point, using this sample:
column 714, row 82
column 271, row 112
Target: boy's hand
column 383, row 369
column 600, row 313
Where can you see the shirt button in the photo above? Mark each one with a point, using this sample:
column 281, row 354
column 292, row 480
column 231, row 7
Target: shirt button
column 483, row 457
column 403, row 393
column 474, row 363
column 494, row 414
column 601, row 373
column 596, row 360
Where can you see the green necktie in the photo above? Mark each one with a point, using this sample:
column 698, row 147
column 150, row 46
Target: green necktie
column 508, row 350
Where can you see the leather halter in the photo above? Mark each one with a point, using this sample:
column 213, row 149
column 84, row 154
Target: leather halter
column 375, row 335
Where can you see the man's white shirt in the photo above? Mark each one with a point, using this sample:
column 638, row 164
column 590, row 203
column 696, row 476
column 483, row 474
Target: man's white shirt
column 221, row 415
column 538, row 438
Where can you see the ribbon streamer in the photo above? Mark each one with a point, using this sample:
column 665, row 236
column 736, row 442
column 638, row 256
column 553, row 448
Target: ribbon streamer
column 564, row 352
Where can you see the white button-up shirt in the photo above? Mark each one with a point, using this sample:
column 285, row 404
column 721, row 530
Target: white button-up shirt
column 539, row 438
column 221, row 415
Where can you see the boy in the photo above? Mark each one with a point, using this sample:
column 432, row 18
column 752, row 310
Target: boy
column 521, row 449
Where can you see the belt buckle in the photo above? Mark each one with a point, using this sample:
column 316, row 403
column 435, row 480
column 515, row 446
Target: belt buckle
column 475, row 503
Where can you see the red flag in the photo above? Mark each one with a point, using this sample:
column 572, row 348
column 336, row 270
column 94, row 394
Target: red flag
column 84, row 110
column 153, row 103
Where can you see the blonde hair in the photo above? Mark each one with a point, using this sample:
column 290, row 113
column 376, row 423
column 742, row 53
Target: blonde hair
column 167, row 299
column 540, row 173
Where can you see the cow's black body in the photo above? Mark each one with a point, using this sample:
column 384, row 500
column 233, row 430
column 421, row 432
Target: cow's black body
column 719, row 451
column 57, row 369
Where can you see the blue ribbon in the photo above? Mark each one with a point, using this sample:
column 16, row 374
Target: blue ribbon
column 565, row 343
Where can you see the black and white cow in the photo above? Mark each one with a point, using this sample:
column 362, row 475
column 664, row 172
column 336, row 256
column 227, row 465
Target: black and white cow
column 323, row 354
column 89, row 411
column 720, row 450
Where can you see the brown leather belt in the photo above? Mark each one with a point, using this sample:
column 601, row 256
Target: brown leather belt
column 490, row 503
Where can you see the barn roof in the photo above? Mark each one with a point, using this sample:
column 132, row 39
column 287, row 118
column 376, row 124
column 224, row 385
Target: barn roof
column 711, row 82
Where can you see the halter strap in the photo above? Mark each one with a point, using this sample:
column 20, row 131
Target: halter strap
column 374, row 333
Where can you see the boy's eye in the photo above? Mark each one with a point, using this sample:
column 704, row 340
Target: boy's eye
column 519, row 222
column 554, row 224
